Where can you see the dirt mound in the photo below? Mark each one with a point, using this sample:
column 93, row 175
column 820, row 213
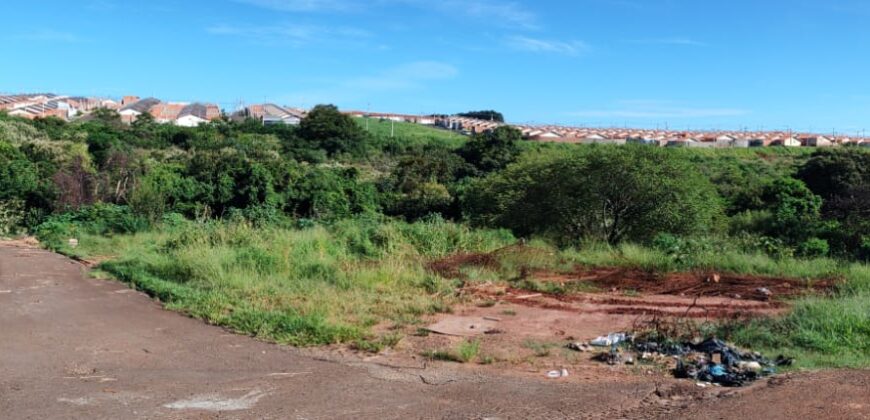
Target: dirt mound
column 451, row 267
column 755, row 288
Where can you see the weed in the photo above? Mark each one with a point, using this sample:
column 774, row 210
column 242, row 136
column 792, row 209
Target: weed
column 468, row 350
column 486, row 360
column 489, row 303
column 538, row 348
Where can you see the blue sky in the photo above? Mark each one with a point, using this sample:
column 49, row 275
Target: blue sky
column 705, row 64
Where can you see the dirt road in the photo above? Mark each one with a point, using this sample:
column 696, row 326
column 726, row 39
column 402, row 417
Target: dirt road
column 75, row 347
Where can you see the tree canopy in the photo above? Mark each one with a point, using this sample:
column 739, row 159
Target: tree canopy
column 602, row 193
column 484, row 115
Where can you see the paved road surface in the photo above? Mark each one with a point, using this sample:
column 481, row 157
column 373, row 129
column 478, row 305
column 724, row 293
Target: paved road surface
column 75, row 347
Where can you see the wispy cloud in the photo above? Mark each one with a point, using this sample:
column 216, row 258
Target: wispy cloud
column 669, row 41
column 507, row 13
column 406, row 76
column 303, row 5
column 657, row 110
column 47, row 35
column 289, row 34
column 535, row 45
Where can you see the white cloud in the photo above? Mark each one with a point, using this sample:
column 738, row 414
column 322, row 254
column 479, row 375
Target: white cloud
column 669, row 41
column 303, row 5
column 289, row 34
column 524, row 43
column 505, row 13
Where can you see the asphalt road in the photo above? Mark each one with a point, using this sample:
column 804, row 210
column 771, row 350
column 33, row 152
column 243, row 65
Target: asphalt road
column 76, row 347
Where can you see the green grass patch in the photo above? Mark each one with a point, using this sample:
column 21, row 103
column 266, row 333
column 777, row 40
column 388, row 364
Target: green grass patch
column 408, row 134
column 316, row 286
column 466, row 352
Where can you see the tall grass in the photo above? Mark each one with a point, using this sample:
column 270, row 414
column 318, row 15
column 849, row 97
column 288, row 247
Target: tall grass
column 326, row 285
column 303, row 287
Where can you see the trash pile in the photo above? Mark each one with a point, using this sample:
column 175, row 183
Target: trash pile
column 709, row 362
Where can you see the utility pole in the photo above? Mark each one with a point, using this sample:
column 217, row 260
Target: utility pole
column 392, row 127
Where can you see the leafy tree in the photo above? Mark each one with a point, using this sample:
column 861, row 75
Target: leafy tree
column 108, row 117
column 601, row 193
column 842, row 178
column 420, row 184
column 18, row 176
column 328, row 129
column 484, row 115
column 330, row 194
column 493, row 150
column 53, row 126
column 796, row 211
column 831, row 173
column 145, row 127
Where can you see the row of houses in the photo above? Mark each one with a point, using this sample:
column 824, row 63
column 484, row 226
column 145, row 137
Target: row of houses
column 271, row 114
column 177, row 113
column 130, row 108
column 668, row 138
column 430, row 120
column 43, row 105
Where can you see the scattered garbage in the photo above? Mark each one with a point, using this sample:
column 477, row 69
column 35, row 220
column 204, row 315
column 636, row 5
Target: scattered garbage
column 556, row 374
column 764, row 291
column 73, row 243
column 581, row 347
column 710, row 362
column 612, row 339
column 715, row 362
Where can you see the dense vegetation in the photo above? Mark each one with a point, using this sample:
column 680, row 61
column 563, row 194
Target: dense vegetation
column 484, row 115
column 313, row 234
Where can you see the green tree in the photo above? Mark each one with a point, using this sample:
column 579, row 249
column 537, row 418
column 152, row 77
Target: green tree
column 601, row 193
column 328, row 129
column 831, row 173
column 421, row 184
column 493, row 150
column 106, row 116
column 18, row 176
column 795, row 211
column 484, row 115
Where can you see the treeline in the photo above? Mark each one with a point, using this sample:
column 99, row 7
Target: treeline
column 99, row 173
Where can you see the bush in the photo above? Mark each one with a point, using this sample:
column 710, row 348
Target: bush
column 11, row 216
column 814, row 247
column 99, row 219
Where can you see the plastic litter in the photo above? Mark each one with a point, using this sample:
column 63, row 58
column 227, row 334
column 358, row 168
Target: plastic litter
column 556, row 374
column 581, row 347
column 717, row 371
column 611, row 339
column 711, row 362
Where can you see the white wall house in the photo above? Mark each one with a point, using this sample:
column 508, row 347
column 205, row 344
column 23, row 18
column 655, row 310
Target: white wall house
column 190, row 121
